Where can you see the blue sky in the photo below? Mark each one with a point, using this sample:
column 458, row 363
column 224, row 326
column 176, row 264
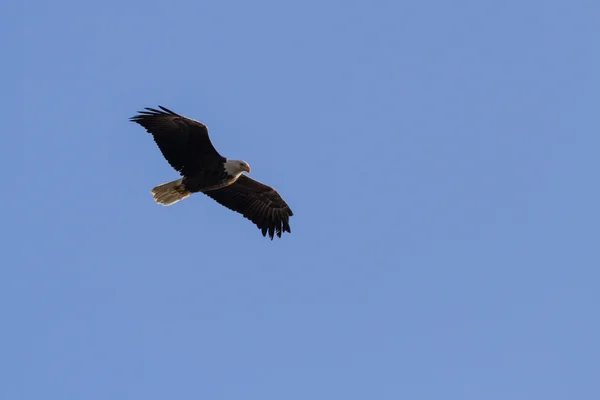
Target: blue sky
column 441, row 159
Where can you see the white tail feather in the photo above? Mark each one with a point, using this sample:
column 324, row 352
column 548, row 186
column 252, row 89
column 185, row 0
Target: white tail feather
column 170, row 192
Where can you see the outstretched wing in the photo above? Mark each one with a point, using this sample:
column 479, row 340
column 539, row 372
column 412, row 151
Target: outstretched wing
column 259, row 203
column 184, row 142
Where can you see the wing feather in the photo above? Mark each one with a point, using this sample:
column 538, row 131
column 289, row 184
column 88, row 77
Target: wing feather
column 257, row 202
column 183, row 142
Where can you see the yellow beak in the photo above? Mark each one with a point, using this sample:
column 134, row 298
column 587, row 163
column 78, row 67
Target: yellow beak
column 248, row 169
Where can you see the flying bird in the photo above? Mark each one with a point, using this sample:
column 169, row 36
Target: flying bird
column 186, row 146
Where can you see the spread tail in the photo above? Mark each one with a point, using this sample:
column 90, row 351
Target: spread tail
column 170, row 192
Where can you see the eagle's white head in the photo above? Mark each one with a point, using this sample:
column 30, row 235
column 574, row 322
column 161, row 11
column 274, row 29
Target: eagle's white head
column 236, row 167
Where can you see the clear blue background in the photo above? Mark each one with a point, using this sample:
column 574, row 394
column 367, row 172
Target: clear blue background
column 441, row 158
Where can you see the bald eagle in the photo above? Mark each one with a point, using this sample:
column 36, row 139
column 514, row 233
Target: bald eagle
column 186, row 146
